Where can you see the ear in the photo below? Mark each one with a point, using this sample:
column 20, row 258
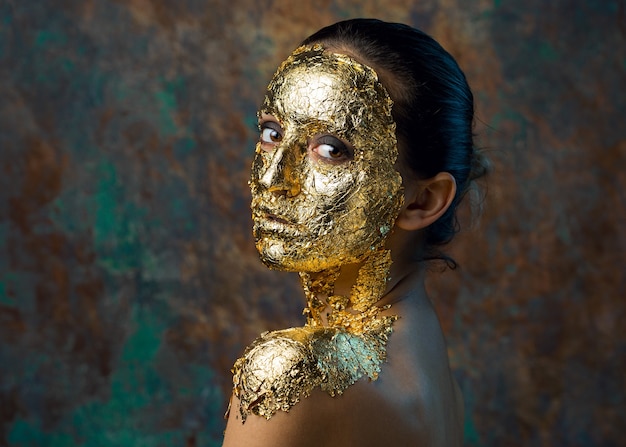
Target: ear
column 426, row 201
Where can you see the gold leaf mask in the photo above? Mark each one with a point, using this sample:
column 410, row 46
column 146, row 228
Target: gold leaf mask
column 311, row 211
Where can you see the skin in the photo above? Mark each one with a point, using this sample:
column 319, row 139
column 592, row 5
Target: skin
column 415, row 401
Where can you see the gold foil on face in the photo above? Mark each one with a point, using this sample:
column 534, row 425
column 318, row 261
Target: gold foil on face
column 310, row 215
column 313, row 217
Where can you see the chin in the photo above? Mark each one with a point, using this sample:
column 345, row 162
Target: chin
column 275, row 256
column 287, row 256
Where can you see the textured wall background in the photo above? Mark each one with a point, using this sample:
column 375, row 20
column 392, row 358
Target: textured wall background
column 128, row 279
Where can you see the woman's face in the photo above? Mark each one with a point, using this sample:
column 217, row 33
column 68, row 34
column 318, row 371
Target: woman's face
column 324, row 188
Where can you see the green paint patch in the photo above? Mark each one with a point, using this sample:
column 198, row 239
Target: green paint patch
column 116, row 423
column 120, row 90
column 46, row 38
column 470, row 434
column 252, row 122
column 508, row 115
column 142, row 394
column 564, row 234
column 163, row 102
column 5, row 21
column 67, row 65
column 135, row 386
column 143, row 345
column 168, row 105
column 56, row 70
column 6, row 18
column 179, row 209
column 106, row 220
column 22, row 284
column 184, row 146
column 488, row 12
column 26, row 433
column 118, row 226
column 4, row 297
column 548, row 52
column 471, row 438
column 199, row 376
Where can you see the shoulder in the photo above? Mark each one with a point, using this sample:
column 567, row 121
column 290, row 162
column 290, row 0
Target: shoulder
column 274, row 373
column 302, row 426
column 361, row 416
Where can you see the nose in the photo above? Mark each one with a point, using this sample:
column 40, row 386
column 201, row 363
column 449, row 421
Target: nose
column 281, row 175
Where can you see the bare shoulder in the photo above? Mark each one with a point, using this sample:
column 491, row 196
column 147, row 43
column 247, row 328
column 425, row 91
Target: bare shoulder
column 282, row 429
column 317, row 420
column 362, row 416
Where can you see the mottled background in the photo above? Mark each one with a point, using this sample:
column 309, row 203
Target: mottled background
column 128, row 279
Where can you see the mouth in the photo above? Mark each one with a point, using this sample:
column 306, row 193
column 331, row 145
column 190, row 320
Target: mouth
column 274, row 218
column 265, row 220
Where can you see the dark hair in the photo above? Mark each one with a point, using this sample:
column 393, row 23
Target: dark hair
column 433, row 107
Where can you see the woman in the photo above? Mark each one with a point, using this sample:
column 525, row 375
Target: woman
column 365, row 151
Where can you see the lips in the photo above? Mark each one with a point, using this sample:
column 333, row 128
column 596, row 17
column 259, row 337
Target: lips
column 266, row 220
column 275, row 218
column 265, row 213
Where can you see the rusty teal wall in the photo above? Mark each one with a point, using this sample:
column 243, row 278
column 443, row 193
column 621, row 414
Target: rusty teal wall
column 128, row 279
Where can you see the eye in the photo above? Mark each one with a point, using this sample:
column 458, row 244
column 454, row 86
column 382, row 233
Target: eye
column 271, row 132
column 332, row 149
column 328, row 151
column 269, row 135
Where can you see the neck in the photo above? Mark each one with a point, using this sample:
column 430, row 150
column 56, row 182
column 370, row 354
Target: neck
column 348, row 297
